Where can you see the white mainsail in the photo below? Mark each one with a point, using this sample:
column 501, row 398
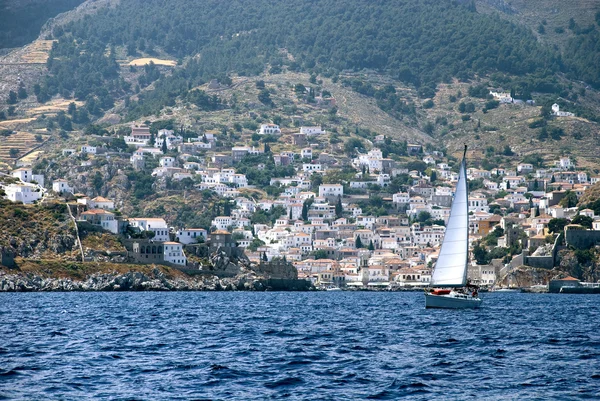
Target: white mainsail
column 451, row 267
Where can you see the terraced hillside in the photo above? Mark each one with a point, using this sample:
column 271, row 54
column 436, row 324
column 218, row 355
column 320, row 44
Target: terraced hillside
column 22, row 141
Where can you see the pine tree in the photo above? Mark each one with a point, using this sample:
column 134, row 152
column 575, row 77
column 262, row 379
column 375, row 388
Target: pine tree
column 338, row 207
column 371, row 246
column 164, row 145
column 72, row 108
column 22, row 93
column 358, row 243
column 304, row 211
column 12, row 97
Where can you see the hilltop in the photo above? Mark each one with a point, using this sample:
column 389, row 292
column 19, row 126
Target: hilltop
column 390, row 71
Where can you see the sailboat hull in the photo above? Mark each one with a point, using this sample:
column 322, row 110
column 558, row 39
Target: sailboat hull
column 451, row 301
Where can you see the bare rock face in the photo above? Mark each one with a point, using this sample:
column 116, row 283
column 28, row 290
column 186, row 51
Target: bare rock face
column 223, row 265
column 35, row 246
column 279, row 269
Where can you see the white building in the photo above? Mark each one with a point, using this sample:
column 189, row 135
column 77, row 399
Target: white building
column 61, row 186
column 478, row 204
column 23, row 174
column 173, row 253
column 331, row 190
column 316, row 130
column 167, row 135
column 502, row 97
column 156, row 225
column 102, row 218
column 312, row 168
column 373, row 160
column 556, row 111
column 26, row 175
column 524, row 168
column 89, row 149
column 167, row 161
column 269, row 129
column 98, row 202
column 222, row 222
column 565, row 163
column 401, row 198
column 25, row 193
column 140, row 136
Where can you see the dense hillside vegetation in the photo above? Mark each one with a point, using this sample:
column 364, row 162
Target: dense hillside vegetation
column 21, row 20
column 418, row 42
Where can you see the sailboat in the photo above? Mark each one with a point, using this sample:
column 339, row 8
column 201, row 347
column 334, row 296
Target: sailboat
column 449, row 285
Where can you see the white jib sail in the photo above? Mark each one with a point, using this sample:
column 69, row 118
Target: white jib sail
column 451, row 266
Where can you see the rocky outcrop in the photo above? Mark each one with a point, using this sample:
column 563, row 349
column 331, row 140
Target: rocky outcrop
column 277, row 269
column 156, row 280
column 35, row 246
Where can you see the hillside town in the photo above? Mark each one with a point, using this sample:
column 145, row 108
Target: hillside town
column 365, row 221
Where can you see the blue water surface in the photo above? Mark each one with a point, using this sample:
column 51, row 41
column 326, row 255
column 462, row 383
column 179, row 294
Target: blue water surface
column 296, row 346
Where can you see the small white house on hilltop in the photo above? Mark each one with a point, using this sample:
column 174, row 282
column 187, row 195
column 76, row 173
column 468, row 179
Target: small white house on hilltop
column 26, row 175
column 61, row 186
column 565, row 163
column 269, row 129
column 556, row 111
column 89, row 149
column 316, row 130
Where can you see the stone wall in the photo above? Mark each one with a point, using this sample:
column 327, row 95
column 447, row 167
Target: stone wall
column 582, row 239
column 543, row 262
column 277, row 269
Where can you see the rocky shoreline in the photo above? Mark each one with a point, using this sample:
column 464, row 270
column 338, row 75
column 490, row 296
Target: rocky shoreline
column 139, row 281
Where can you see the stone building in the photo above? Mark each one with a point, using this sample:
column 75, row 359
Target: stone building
column 223, row 240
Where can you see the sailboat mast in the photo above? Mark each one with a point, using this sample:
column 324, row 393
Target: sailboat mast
column 464, row 167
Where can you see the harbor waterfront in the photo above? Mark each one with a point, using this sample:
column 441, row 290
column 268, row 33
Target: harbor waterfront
column 299, row 346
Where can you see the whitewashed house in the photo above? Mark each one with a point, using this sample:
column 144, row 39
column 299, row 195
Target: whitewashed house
column 25, row 193
column 269, row 129
column 557, row 113
column 89, row 149
column 167, row 161
column 61, row 186
column 222, row 222
column 102, row 218
column 157, row 225
column 331, row 191
column 173, row 253
column 315, row 130
column 191, row 235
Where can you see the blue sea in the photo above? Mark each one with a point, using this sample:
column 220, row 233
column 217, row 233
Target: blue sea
column 296, row 346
